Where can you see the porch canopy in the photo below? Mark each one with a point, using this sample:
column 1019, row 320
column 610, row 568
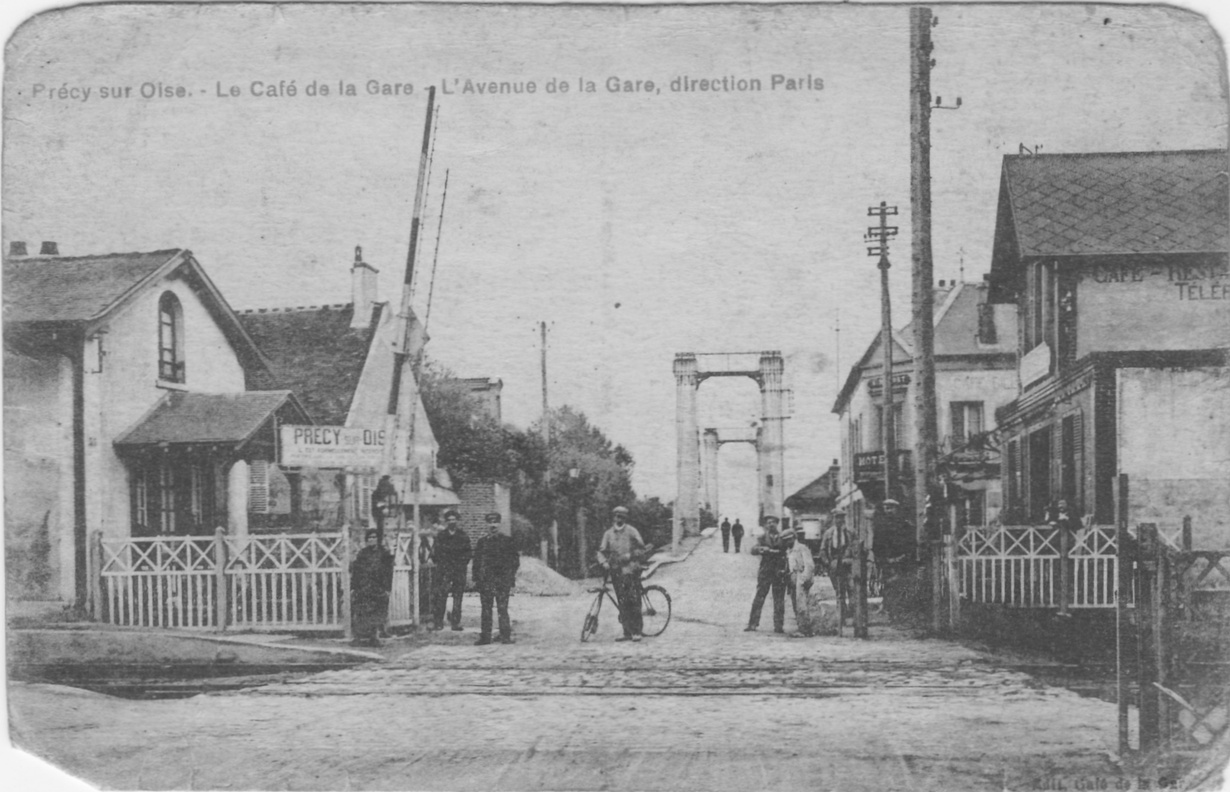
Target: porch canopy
column 239, row 422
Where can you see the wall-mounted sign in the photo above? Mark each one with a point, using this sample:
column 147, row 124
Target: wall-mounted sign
column 1035, row 364
column 875, row 385
column 331, row 446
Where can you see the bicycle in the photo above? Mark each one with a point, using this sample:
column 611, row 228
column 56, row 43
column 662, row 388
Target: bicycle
column 655, row 608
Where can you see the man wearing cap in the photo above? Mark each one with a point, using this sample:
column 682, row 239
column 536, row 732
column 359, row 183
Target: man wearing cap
column 620, row 552
column 371, row 580
column 452, row 555
column 496, row 561
column 801, row 569
column 772, row 575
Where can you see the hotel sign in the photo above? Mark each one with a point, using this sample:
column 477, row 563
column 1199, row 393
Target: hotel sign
column 331, row 446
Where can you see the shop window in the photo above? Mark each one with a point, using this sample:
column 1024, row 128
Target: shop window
column 1039, row 478
column 170, row 339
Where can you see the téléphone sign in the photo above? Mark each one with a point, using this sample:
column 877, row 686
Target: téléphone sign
column 331, row 446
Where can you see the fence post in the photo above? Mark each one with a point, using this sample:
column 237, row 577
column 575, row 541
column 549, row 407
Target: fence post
column 954, row 577
column 1161, row 641
column 860, row 587
column 1146, row 649
column 346, row 582
column 1065, row 569
column 221, row 596
column 93, row 562
column 1124, row 561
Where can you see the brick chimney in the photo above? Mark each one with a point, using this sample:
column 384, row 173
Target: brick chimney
column 363, row 291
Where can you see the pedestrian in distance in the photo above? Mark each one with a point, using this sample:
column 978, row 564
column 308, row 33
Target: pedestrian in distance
column 725, row 534
column 496, row 561
column 772, row 576
column 736, row 531
column 620, row 553
column 452, row 555
column 371, row 581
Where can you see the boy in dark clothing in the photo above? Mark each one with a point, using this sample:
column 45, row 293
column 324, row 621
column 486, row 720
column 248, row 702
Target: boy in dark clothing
column 371, row 580
column 496, row 561
column 452, row 556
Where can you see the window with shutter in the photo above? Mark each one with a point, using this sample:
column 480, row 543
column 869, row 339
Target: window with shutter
column 258, row 486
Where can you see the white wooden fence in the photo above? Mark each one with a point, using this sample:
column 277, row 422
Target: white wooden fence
column 1021, row 566
column 264, row 582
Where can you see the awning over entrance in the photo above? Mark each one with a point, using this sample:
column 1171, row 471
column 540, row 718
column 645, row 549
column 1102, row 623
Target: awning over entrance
column 219, row 419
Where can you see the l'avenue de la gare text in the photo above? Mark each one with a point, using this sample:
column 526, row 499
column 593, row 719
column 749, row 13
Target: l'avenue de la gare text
column 615, row 84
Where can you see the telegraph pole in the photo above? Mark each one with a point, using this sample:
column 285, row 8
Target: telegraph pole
column 546, row 445
column 923, row 320
column 879, row 235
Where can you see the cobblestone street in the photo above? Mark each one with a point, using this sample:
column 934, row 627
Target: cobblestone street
column 705, row 706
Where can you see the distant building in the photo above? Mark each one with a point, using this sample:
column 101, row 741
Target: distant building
column 486, row 391
column 811, row 506
column 127, row 410
column 975, row 359
column 1118, row 266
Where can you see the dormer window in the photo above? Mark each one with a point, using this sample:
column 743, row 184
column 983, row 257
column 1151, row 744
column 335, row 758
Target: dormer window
column 170, row 339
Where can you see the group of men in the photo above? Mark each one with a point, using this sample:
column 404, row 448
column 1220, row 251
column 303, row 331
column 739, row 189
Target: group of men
column 787, row 566
column 496, row 562
column 729, row 531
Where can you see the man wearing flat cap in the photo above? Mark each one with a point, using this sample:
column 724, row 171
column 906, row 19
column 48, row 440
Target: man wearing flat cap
column 773, row 575
column 452, row 556
column 621, row 552
column 496, row 561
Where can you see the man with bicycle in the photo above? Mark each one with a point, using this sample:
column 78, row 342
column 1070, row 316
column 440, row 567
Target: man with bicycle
column 620, row 553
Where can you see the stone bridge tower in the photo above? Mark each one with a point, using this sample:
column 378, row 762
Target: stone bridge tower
column 690, row 369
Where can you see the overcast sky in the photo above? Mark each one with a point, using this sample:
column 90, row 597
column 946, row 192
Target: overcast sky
column 637, row 224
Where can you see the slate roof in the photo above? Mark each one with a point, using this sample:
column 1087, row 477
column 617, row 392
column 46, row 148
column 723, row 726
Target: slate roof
column 206, row 418
column 75, row 288
column 1117, row 203
column 313, row 352
column 821, row 493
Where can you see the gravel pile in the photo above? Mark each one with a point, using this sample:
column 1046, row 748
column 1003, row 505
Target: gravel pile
column 539, row 580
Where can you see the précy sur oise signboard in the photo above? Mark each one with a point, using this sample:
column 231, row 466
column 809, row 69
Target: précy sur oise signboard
column 331, row 446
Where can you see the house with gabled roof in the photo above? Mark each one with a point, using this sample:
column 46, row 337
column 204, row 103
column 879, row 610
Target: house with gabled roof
column 127, row 409
column 975, row 357
column 338, row 360
column 1118, row 264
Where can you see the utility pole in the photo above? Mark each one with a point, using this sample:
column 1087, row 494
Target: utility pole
column 546, row 444
column 923, row 320
column 879, row 235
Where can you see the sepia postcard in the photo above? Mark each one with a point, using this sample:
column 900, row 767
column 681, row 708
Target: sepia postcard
column 509, row 396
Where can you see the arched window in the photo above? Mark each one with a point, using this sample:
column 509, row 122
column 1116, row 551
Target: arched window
column 170, row 339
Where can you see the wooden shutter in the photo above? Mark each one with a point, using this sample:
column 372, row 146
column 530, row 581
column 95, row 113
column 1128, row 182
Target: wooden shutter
column 258, row 486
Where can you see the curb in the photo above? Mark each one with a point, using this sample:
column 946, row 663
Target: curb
column 662, row 560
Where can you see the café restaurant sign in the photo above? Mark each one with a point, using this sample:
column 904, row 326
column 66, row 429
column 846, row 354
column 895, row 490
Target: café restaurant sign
column 331, row 446
column 875, row 385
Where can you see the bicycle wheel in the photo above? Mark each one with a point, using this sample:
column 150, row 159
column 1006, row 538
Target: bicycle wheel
column 655, row 610
column 590, row 627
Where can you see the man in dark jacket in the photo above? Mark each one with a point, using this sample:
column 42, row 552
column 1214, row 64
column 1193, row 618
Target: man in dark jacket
column 736, row 531
column 773, row 575
column 496, row 561
column 371, row 580
column 452, row 555
column 725, row 534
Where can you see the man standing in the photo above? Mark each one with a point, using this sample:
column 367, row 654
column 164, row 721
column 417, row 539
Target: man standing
column 496, row 561
column 452, row 556
column 620, row 552
column 837, row 559
column 736, row 531
column 371, row 580
column 772, row 575
column 725, row 535
column 893, row 543
column 802, row 570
